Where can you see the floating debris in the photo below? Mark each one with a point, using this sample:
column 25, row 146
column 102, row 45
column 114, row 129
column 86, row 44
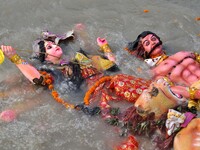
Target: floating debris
column 197, row 18
column 145, row 10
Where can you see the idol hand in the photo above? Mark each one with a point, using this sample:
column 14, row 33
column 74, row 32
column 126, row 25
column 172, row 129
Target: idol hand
column 8, row 51
column 103, row 44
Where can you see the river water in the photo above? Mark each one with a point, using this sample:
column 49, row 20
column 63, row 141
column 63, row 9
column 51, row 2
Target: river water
column 49, row 126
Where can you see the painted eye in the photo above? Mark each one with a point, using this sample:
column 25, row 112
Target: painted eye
column 49, row 47
column 153, row 38
column 147, row 43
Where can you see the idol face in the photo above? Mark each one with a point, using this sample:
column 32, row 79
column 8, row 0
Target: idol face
column 53, row 50
column 152, row 45
column 158, row 98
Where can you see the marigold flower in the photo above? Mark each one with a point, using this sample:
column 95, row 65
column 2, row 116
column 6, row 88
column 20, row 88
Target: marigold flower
column 54, row 94
column 43, row 72
column 48, row 81
column 51, row 87
column 59, row 100
column 197, row 18
column 145, row 10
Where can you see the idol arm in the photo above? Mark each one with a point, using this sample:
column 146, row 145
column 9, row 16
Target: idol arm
column 28, row 70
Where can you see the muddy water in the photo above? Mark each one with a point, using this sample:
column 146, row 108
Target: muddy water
column 49, row 126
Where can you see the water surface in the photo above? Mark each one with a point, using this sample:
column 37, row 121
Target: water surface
column 49, row 126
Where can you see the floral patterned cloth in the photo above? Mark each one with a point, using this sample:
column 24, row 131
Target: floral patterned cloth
column 128, row 87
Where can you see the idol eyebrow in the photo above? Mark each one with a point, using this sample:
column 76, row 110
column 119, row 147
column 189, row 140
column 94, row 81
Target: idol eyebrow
column 144, row 41
column 147, row 40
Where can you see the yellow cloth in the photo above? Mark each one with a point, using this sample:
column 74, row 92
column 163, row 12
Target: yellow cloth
column 82, row 59
column 100, row 63
column 1, row 57
column 96, row 61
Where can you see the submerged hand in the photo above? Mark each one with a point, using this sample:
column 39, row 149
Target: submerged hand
column 80, row 27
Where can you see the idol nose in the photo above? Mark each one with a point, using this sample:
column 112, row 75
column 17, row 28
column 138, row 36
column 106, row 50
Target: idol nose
column 153, row 43
column 57, row 48
column 140, row 110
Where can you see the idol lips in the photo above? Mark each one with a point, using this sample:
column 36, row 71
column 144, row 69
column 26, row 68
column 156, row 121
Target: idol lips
column 170, row 90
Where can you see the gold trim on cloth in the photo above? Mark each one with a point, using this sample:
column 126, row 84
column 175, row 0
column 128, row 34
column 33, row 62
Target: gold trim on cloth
column 101, row 64
column 106, row 48
column 163, row 57
column 82, row 59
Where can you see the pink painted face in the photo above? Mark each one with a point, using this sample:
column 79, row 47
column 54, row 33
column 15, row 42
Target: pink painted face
column 149, row 42
column 54, row 51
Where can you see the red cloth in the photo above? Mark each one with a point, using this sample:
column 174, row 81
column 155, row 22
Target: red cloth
column 129, row 87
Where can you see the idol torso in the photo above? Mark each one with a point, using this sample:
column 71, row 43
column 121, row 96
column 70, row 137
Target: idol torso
column 181, row 68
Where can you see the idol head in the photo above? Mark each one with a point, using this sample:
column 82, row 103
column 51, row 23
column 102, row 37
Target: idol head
column 47, row 51
column 147, row 45
column 47, row 48
column 158, row 98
